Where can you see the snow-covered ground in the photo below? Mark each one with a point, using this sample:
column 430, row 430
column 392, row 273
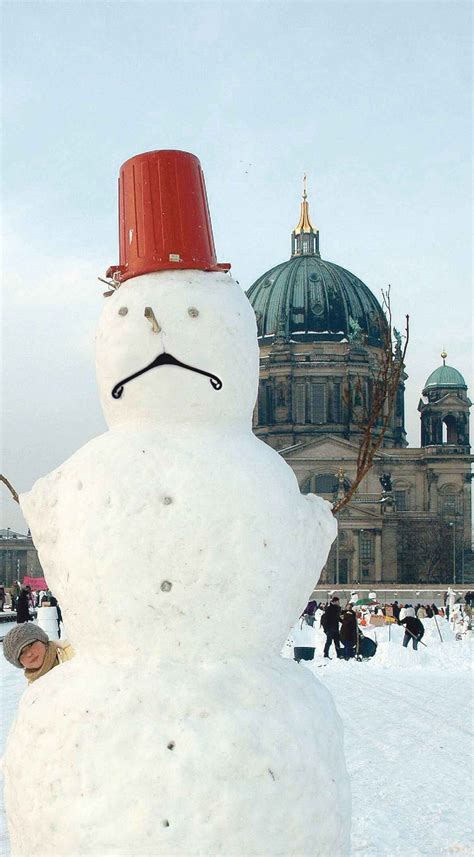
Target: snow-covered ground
column 408, row 735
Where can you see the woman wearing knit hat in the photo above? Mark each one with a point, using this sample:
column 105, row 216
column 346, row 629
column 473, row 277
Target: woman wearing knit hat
column 28, row 647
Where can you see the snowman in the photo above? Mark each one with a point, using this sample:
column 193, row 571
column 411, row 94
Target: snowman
column 180, row 730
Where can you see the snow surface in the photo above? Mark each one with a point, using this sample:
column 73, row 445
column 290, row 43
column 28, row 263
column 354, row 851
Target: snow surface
column 408, row 742
column 408, row 733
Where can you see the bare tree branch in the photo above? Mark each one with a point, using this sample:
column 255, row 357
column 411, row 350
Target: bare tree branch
column 10, row 487
column 378, row 404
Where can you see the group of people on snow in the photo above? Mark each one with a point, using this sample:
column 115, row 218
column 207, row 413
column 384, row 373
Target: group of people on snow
column 340, row 627
column 422, row 611
column 342, row 630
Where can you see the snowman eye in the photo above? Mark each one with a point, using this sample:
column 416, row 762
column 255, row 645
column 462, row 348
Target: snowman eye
column 123, row 310
column 193, row 312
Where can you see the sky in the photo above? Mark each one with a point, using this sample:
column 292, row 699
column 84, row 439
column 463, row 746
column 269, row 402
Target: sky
column 372, row 100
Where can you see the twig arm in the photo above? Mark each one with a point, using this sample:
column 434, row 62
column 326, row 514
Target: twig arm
column 383, row 396
column 10, row 487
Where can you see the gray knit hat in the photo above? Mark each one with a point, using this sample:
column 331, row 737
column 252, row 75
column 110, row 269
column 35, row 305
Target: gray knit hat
column 19, row 637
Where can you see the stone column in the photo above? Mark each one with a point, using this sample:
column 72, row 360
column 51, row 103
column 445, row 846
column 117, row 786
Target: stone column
column 378, row 556
column 356, row 558
column 389, row 545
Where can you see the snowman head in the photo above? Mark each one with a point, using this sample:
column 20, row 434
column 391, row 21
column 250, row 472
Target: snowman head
column 177, row 347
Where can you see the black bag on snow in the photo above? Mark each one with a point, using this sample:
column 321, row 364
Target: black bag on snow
column 367, row 647
column 303, row 653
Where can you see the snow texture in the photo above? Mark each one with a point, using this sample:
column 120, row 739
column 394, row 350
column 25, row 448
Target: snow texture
column 183, row 733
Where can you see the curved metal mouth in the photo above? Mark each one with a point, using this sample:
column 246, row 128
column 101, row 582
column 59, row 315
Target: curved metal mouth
column 165, row 360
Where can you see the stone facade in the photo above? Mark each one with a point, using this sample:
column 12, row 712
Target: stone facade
column 320, row 334
column 18, row 558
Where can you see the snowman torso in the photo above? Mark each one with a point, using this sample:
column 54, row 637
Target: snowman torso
column 194, row 529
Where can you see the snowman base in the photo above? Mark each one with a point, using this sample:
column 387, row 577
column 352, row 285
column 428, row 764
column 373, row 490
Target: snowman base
column 216, row 758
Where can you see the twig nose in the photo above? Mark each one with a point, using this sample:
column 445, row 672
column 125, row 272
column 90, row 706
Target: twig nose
column 150, row 315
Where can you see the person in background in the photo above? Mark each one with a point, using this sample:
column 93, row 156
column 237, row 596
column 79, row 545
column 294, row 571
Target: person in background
column 348, row 632
column 396, row 611
column 54, row 603
column 414, row 630
column 16, row 589
column 434, row 609
column 421, row 612
column 28, row 647
column 2, row 598
column 308, row 612
column 429, row 612
column 23, row 606
column 330, row 621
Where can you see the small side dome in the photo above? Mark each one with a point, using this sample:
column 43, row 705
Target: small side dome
column 446, row 377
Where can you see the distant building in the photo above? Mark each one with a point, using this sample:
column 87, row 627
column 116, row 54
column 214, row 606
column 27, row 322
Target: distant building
column 18, row 557
column 321, row 331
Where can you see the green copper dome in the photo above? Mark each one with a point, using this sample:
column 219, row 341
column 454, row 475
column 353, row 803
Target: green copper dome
column 309, row 300
column 445, row 376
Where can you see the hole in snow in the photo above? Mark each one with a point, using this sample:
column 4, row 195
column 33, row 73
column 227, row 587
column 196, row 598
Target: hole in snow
column 167, row 501
column 193, row 312
column 171, row 745
column 123, row 310
column 165, row 823
column 166, row 586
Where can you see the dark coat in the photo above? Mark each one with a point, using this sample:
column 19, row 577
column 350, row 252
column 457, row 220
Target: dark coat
column 414, row 626
column 22, row 608
column 310, row 608
column 348, row 632
column 331, row 618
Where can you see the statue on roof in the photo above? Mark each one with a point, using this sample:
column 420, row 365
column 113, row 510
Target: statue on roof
column 355, row 331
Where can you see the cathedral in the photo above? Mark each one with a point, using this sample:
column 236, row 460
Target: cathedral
column 321, row 332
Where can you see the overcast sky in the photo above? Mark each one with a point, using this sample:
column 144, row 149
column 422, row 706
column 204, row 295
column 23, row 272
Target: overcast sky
column 371, row 100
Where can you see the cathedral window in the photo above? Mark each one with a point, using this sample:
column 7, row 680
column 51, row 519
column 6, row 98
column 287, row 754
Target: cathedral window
column 400, row 498
column 450, row 432
column 326, row 483
column 399, row 406
column 449, row 505
column 317, row 412
column 269, row 403
column 299, row 404
column 281, row 397
column 261, row 405
column 366, row 547
column 336, row 403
